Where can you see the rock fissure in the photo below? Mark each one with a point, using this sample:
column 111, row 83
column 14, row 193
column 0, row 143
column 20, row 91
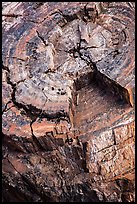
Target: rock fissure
column 68, row 79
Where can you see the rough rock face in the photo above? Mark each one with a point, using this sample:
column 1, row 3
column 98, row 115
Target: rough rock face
column 68, row 101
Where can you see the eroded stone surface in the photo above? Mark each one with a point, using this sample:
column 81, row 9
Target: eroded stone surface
column 68, row 101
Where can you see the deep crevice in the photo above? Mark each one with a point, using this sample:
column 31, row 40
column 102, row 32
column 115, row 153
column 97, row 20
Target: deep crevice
column 6, row 105
column 68, row 18
column 12, row 15
column 41, row 38
column 30, row 110
column 85, row 159
column 36, row 141
column 111, row 86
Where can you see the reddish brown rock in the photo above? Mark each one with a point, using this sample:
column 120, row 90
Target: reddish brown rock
column 68, row 101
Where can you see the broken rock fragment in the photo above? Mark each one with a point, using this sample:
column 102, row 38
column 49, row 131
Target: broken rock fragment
column 68, row 114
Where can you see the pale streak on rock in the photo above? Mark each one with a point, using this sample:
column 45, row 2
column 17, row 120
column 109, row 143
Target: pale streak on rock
column 53, row 53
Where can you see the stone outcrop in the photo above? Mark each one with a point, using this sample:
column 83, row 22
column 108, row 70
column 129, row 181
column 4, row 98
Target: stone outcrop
column 68, row 95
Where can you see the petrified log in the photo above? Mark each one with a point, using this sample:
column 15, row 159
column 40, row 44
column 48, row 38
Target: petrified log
column 68, row 101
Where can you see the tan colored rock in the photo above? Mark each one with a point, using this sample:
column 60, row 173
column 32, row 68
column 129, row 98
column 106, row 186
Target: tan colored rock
column 68, row 102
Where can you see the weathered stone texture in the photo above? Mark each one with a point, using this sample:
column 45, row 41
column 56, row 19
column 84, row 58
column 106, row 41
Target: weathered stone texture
column 68, row 95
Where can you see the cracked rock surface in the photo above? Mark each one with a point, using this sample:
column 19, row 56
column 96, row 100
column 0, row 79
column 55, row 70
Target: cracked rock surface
column 68, row 95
